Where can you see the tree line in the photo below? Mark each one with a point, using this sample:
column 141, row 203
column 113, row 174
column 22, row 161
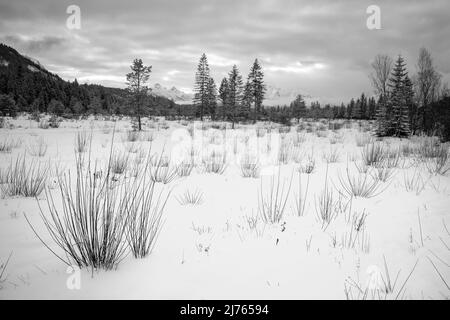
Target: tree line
column 402, row 104
column 410, row 105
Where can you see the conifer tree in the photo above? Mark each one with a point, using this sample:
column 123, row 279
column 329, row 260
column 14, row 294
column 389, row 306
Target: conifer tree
column 201, row 86
column 408, row 92
column 399, row 124
column 234, row 99
column 257, row 87
column 298, row 107
column 136, row 81
column 223, row 94
column 357, row 110
column 212, row 98
column 247, row 99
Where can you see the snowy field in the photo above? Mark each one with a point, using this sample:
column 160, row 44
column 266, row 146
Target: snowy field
column 320, row 210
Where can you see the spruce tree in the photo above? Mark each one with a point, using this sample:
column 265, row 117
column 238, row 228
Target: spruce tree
column 381, row 116
column 357, row 110
column 399, row 124
column 223, row 94
column 247, row 100
column 234, row 99
column 201, row 86
column 212, row 98
column 257, row 87
column 298, row 107
column 408, row 92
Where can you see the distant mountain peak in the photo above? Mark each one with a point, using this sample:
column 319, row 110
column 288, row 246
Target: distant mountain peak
column 173, row 94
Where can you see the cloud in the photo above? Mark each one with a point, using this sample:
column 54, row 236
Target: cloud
column 323, row 48
column 34, row 45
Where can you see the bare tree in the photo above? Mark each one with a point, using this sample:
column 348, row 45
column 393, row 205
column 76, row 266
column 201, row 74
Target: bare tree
column 427, row 82
column 382, row 66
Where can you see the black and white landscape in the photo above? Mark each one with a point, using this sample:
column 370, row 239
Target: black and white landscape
column 206, row 149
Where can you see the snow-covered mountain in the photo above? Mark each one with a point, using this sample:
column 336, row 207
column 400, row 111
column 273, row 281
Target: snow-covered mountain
column 173, row 93
column 274, row 96
column 278, row 96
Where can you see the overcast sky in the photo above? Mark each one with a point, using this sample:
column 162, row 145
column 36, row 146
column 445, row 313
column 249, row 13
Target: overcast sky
column 319, row 48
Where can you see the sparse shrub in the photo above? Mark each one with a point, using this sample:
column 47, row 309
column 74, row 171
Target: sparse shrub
column 191, row 198
column 384, row 173
column 24, row 178
column 309, row 166
column 82, row 141
column 149, row 136
column 285, row 152
column 132, row 147
column 331, row 156
column 132, row 136
column 184, row 169
column 362, row 185
column 249, row 167
column 260, row 132
column 429, row 147
column 392, row 158
column 414, row 183
column 336, row 138
column 363, row 139
column 271, row 204
column 3, row 267
column 161, row 171
column 118, row 162
column 299, row 198
column 145, row 217
column 373, row 153
column 387, row 287
column 43, row 124
column 216, row 162
column 326, row 205
column 6, row 145
column 439, row 164
column 54, row 122
column 91, row 227
column 356, row 240
column 136, row 167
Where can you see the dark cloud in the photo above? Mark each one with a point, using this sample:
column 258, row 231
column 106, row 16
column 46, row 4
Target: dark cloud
column 322, row 48
column 35, row 45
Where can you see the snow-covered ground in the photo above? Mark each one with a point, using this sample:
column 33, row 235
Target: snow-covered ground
column 222, row 248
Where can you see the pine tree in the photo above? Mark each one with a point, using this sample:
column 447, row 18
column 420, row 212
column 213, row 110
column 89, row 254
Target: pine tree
column 350, row 108
column 357, row 110
column 364, row 111
column 257, row 87
column 212, row 98
column 136, row 81
column 381, row 116
column 399, row 124
column 371, row 108
column 202, row 79
column 408, row 92
column 298, row 107
column 247, row 99
column 234, row 99
column 223, row 94
column 7, row 105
